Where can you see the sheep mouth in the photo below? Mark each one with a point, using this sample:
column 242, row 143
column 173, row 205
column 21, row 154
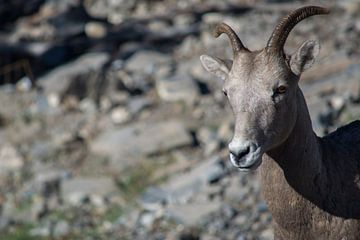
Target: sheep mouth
column 251, row 167
column 248, row 163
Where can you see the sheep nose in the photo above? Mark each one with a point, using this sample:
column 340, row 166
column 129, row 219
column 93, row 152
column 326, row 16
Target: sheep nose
column 239, row 150
column 243, row 154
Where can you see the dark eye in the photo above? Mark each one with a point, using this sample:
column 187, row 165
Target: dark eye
column 281, row 89
column 224, row 92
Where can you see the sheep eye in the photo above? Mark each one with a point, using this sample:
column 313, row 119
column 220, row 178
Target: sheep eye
column 224, row 92
column 281, row 89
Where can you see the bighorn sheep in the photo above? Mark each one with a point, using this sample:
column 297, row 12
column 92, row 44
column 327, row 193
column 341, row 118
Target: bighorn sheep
column 311, row 184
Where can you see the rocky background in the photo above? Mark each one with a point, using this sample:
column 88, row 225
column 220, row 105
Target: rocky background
column 111, row 129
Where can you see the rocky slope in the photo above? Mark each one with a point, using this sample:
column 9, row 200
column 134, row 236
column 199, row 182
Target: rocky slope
column 111, row 129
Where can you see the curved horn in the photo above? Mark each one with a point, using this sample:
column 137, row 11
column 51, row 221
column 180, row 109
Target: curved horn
column 235, row 41
column 277, row 40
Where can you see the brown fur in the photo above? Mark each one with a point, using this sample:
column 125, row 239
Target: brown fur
column 312, row 185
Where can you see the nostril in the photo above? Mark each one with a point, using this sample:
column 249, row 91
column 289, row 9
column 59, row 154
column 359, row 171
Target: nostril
column 240, row 152
column 244, row 152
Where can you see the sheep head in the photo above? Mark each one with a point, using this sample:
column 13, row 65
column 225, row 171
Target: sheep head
column 261, row 87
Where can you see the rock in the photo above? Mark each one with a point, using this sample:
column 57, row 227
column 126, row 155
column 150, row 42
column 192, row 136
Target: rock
column 40, row 231
column 24, row 84
column 153, row 198
column 48, row 180
column 262, row 207
column 147, row 219
column 87, row 105
column 225, row 131
column 235, row 191
column 76, row 190
column 180, row 87
column 147, row 62
column 41, row 151
column 137, row 104
column 59, row 80
column 185, row 213
column 61, row 229
column 208, row 139
column 120, row 115
column 10, row 159
column 4, row 222
column 95, row 30
column 141, row 140
column 337, row 103
column 267, row 234
column 113, row 11
column 184, row 186
column 38, row 209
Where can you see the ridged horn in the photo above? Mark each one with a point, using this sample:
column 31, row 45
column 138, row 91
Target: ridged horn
column 282, row 30
column 235, row 41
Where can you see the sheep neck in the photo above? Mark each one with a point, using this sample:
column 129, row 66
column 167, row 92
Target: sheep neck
column 292, row 172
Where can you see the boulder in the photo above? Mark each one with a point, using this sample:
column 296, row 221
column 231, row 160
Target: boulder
column 76, row 190
column 59, row 81
column 125, row 145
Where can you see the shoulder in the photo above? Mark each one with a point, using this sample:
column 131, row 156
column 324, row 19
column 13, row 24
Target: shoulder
column 346, row 138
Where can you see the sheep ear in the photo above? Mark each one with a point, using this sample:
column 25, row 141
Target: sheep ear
column 216, row 66
column 304, row 57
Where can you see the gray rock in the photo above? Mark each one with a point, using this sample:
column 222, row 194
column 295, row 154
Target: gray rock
column 76, row 190
column 147, row 62
column 137, row 104
column 185, row 213
column 267, row 234
column 4, row 222
column 40, row 231
column 113, row 11
column 180, row 87
column 125, row 145
column 184, row 186
column 153, row 198
column 120, row 115
column 87, row 105
column 147, row 219
column 10, row 159
column 41, row 151
column 58, row 81
column 235, row 191
column 61, row 229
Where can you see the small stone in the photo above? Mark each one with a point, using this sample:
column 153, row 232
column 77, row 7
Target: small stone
column 120, row 115
column 179, row 87
column 37, row 208
column 262, row 207
column 88, row 106
column 267, row 234
column 147, row 219
column 10, row 159
column 153, row 198
column 24, row 84
column 337, row 103
column 137, row 104
column 53, row 99
column 95, row 30
column 61, row 229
